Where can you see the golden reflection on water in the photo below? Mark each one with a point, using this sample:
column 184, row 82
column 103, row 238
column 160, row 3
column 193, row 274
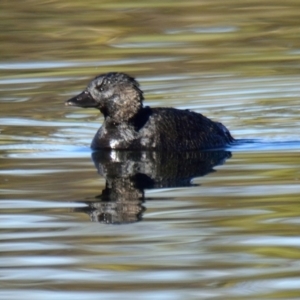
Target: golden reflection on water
column 256, row 37
column 233, row 234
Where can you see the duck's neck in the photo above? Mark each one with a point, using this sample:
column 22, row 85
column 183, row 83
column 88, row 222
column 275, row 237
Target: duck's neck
column 123, row 109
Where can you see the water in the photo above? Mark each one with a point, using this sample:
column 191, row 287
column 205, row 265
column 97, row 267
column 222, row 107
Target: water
column 208, row 225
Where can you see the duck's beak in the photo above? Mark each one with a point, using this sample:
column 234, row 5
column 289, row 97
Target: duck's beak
column 84, row 99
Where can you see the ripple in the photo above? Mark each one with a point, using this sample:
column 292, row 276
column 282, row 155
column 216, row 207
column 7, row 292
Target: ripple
column 208, row 30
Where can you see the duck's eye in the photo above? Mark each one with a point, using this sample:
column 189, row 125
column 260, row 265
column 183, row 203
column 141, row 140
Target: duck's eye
column 100, row 88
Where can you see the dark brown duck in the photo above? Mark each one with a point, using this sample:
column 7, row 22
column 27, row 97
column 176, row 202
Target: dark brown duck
column 130, row 125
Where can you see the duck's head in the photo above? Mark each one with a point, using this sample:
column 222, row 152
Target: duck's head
column 116, row 95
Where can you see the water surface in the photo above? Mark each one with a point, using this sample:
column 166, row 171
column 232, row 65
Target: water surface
column 208, row 226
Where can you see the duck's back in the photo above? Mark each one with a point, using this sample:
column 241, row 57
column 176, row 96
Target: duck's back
column 176, row 129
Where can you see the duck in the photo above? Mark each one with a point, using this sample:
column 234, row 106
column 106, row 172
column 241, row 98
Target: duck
column 129, row 125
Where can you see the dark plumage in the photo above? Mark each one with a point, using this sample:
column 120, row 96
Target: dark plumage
column 129, row 125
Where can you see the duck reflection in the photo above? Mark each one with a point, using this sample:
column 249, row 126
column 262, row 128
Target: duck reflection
column 129, row 173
